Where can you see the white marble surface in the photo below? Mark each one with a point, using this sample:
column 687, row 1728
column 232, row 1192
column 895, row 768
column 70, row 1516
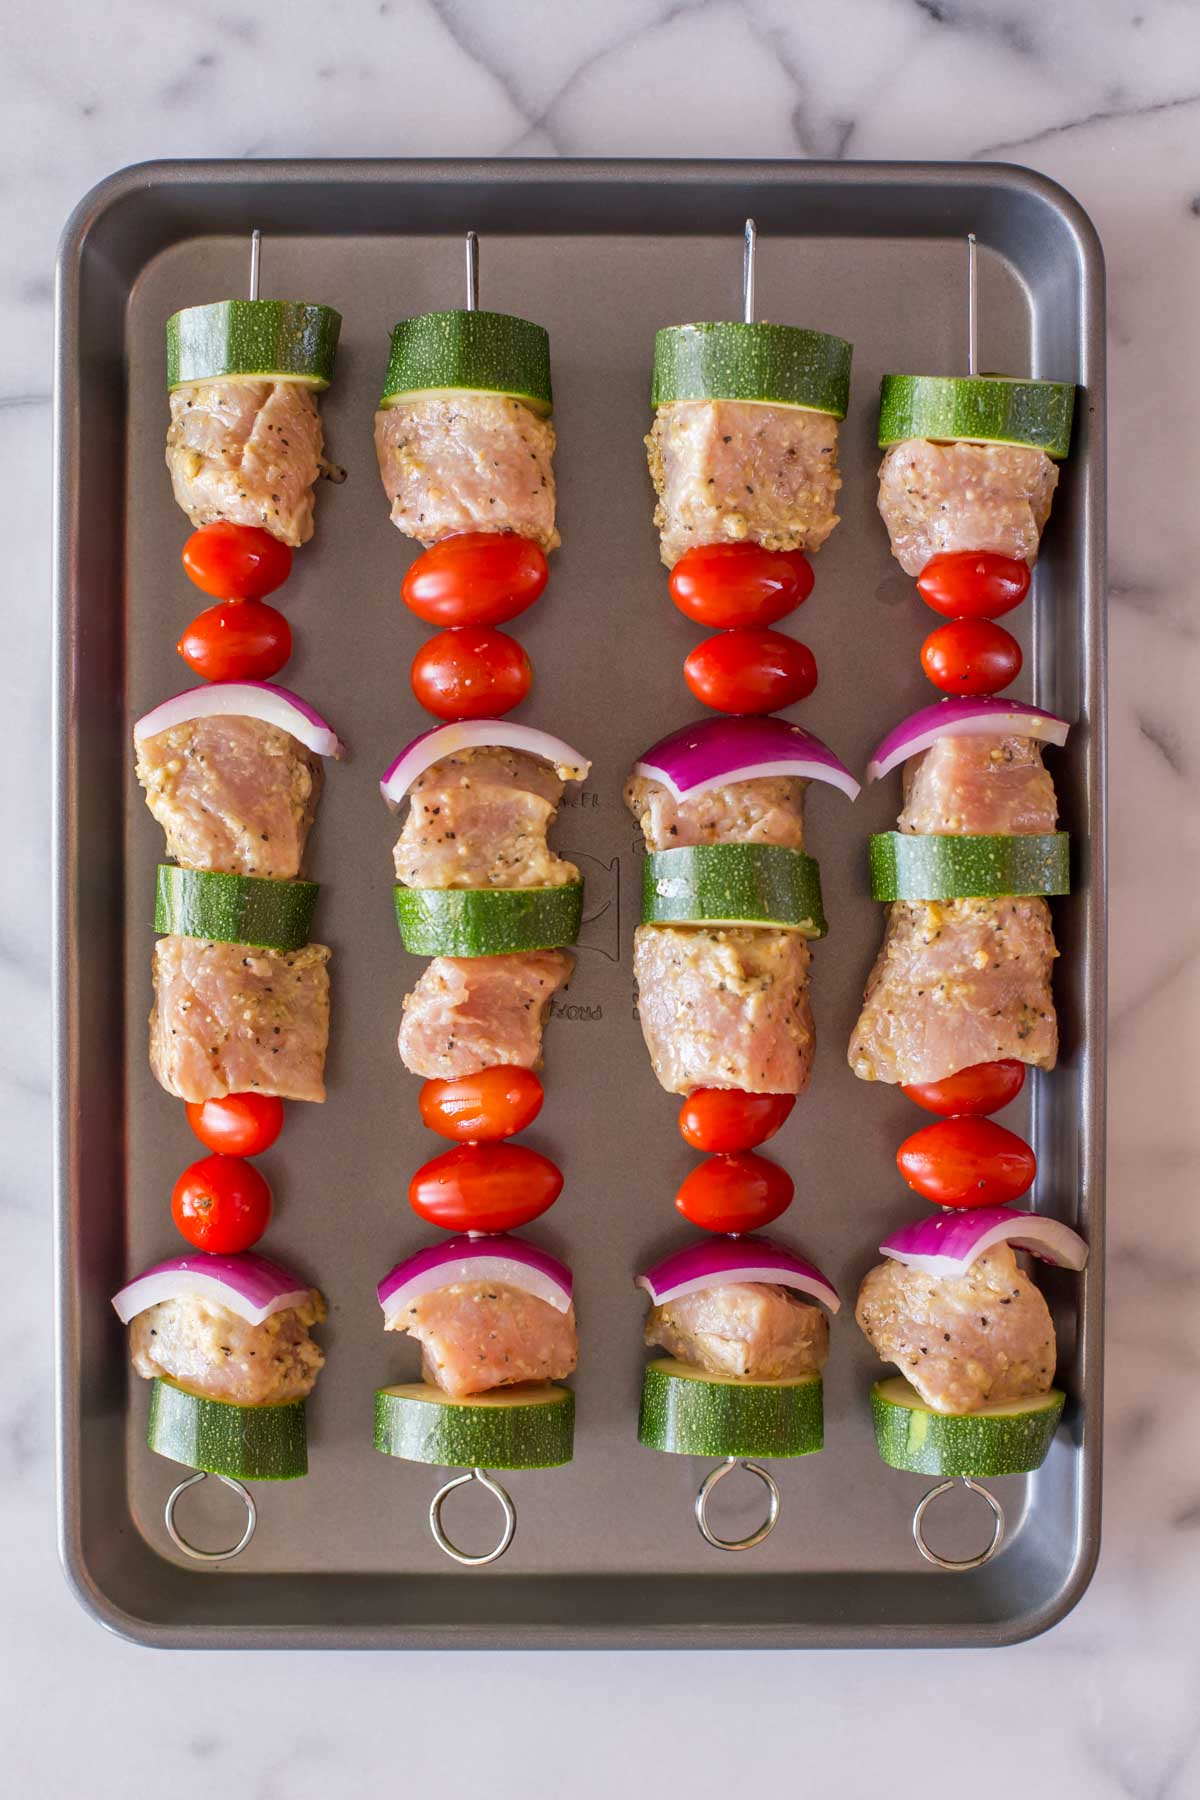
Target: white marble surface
column 1104, row 95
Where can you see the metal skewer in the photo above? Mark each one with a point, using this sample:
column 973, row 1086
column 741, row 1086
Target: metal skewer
column 472, row 271
column 957, row 1564
column 748, row 271
column 972, row 308
column 255, row 260
column 192, row 1550
column 709, row 1483
column 443, row 1541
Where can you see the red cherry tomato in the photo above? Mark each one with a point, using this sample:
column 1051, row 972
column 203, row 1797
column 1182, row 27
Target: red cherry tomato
column 484, row 1187
column 239, row 640
column 238, row 1125
column 471, row 672
column 478, row 1108
column 973, row 584
column 971, row 656
column 236, row 562
column 752, row 671
column 477, row 578
column 981, row 1089
column 725, row 586
column 726, row 1119
column 221, row 1203
column 967, row 1162
column 735, row 1193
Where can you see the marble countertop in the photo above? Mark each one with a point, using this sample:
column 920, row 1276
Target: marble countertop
column 1104, row 97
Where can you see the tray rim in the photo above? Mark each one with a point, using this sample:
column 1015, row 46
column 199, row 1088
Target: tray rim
column 141, row 179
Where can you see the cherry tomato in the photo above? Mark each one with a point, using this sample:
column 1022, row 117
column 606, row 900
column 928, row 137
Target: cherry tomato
column 971, row 656
column 727, row 1119
column 484, row 1187
column 238, row 1125
column 973, row 584
column 221, row 1203
column 239, row 640
column 236, row 562
column 725, row 586
column 967, row 1162
column 735, row 1193
column 478, row 1108
column 471, row 672
column 981, row 1089
column 752, row 671
column 477, row 578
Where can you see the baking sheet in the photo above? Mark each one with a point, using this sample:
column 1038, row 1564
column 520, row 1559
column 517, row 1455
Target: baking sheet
column 606, row 1550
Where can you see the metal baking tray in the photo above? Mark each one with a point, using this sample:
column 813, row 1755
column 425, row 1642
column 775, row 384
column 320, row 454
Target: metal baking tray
column 606, row 1552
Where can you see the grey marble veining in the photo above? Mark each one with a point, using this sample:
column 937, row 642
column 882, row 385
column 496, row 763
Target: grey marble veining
column 1105, row 97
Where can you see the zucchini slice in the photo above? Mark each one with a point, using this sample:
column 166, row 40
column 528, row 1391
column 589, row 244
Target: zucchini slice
column 487, row 921
column 251, row 1443
column 233, row 909
column 479, row 352
column 1009, row 1439
column 907, row 867
column 272, row 340
column 531, row 1426
column 733, row 884
column 691, row 1412
column 778, row 365
column 977, row 409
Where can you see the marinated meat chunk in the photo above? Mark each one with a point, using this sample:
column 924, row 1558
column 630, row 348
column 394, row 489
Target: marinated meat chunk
column 455, row 462
column 212, row 1351
column 468, row 1012
column 725, row 1007
column 979, row 786
column 753, row 1330
column 976, row 1340
column 957, row 982
column 228, row 1019
column 232, row 795
column 768, row 809
column 479, row 819
column 727, row 471
column 477, row 1335
column 940, row 497
column 248, row 451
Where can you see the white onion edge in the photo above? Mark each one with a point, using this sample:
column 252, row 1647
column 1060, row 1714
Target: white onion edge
column 804, row 771
column 476, row 734
column 504, row 1269
column 771, row 1275
column 176, row 1284
column 1013, row 724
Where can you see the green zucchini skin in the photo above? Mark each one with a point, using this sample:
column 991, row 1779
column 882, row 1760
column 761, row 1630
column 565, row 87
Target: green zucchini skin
column 525, row 1427
column 479, row 352
column 286, row 339
column 487, row 921
column 779, row 365
column 233, row 909
column 909, row 867
column 978, row 409
column 688, row 1412
column 733, row 884
column 250, row 1443
column 1008, row 1441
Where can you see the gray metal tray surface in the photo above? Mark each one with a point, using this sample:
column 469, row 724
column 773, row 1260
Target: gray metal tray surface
column 606, row 1552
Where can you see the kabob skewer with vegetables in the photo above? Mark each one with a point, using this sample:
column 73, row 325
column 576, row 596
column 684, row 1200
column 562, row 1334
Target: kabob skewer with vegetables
column 743, row 456
column 959, row 1004
column 465, row 442
column 232, row 771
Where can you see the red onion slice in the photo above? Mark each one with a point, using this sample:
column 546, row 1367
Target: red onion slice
column 497, row 1257
column 950, row 1242
column 718, row 1260
column 715, row 751
column 476, row 734
column 249, row 1285
column 986, row 716
column 245, row 700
